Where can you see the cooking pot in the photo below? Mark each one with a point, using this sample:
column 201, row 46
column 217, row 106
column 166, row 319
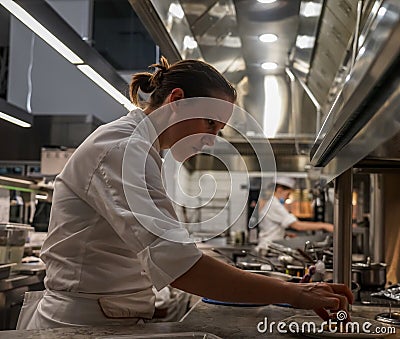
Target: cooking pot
column 370, row 276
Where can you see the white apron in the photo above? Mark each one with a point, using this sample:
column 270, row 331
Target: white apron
column 49, row 309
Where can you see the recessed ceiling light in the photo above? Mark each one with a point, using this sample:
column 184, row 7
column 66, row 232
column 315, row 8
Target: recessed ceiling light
column 269, row 65
column 310, row 9
column 189, row 42
column 268, row 37
column 176, row 10
column 266, row 1
column 305, row 41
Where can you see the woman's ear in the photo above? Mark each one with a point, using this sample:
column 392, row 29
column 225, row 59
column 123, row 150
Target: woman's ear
column 176, row 94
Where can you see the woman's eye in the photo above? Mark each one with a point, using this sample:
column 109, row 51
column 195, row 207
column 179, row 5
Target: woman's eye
column 211, row 122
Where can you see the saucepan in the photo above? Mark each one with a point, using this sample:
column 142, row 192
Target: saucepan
column 370, row 276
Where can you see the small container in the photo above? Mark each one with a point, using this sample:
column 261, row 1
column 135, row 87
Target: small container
column 295, row 270
column 5, row 270
column 12, row 241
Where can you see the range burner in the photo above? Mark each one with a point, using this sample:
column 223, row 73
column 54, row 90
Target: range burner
column 392, row 318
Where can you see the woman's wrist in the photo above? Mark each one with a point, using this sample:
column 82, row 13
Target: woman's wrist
column 291, row 292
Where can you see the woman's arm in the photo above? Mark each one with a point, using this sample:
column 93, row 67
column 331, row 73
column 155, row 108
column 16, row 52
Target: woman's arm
column 311, row 226
column 216, row 280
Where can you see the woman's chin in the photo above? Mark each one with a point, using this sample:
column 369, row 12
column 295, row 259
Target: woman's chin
column 181, row 155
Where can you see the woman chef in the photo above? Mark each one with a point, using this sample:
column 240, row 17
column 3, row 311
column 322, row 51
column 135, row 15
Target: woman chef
column 101, row 259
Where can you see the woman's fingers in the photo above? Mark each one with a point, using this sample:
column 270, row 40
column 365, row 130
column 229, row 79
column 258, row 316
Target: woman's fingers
column 344, row 290
column 322, row 313
column 331, row 303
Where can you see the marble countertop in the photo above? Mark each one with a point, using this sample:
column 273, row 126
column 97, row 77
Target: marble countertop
column 223, row 321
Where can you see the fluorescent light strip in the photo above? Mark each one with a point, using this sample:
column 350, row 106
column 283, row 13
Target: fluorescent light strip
column 19, row 181
column 41, row 196
column 14, row 120
column 106, row 86
column 55, row 43
column 41, row 31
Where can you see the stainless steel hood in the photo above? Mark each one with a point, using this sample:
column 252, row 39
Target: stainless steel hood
column 365, row 116
column 227, row 34
column 345, row 53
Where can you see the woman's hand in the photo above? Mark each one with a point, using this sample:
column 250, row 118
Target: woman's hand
column 322, row 297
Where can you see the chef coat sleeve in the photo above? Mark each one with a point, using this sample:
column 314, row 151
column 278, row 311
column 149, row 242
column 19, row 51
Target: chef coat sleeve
column 280, row 215
column 288, row 220
column 127, row 190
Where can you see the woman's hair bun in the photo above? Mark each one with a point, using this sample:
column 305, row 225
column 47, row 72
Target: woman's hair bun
column 157, row 77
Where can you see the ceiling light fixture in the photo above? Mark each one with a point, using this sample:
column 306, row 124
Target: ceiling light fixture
column 41, row 196
column 176, row 10
column 266, row 1
column 310, row 9
column 268, row 37
column 189, row 42
column 305, row 41
column 272, row 107
column 19, row 181
column 41, row 31
column 14, row 120
column 269, row 65
column 67, row 53
column 106, row 86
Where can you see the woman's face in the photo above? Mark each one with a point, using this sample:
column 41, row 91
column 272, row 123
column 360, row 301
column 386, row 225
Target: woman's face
column 191, row 135
column 194, row 123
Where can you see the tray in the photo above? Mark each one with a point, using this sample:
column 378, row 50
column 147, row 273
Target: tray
column 5, row 270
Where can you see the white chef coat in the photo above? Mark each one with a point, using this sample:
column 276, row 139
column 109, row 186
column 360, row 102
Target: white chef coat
column 96, row 250
column 276, row 220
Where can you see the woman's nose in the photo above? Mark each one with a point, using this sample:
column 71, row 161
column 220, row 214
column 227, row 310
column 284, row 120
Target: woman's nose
column 208, row 139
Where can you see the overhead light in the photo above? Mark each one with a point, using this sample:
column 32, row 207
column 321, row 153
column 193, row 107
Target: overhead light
column 305, row 41
column 272, row 107
column 176, row 10
column 310, row 9
column 19, row 181
column 382, row 11
column 269, row 65
column 14, row 120
column 41, row 196
column 106, row 86
column 189, row 42
column 266, row 1
column 268, row 37
column 41, row 31
column 67, row 53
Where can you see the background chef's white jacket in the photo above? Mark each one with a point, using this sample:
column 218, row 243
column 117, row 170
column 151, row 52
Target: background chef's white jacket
column 95, row 244
column 272, row 226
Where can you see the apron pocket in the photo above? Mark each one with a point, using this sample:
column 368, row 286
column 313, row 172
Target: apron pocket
column 132, row 305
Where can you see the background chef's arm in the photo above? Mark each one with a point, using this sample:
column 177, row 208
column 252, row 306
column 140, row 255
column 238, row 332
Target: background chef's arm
column 216, row 280
column 311, row 226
